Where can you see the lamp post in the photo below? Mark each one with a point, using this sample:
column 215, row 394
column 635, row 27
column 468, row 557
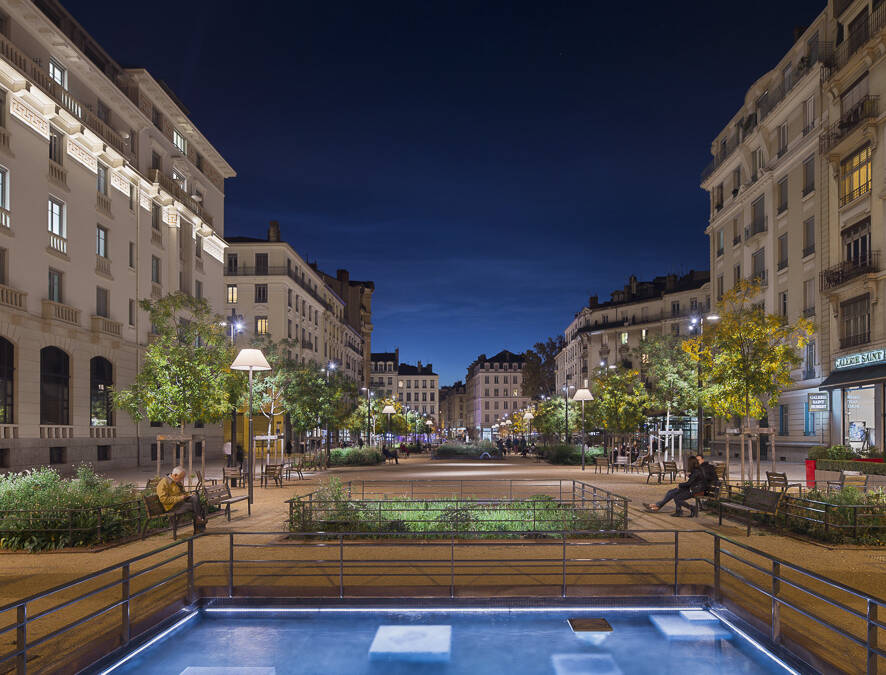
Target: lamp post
column 368, row 407
column 388, row 410
column 528, row 417
column 430, row 425
column 583, row 395
column 328, row 369
column 250, row 360
column 699, row 321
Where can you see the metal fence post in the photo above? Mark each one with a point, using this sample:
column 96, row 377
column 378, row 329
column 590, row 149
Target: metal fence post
column 124, row 608
column 872, row 638
column 717, row 595
column 341, row 566
column 101, row 538
column 191, row 570
column 676, row 560
column 563, row 590
column 21, row 639
column 231, row 565
column 452, row 568
column 775, row 618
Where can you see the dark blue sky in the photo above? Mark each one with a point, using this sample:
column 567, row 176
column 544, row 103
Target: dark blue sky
column 489, row 165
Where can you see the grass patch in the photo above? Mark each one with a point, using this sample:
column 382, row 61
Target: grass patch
column 355, row 457
column 570, row 455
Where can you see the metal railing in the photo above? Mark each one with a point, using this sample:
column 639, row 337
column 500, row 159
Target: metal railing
column 843, row 272
column 124, row 603
column 756, row 227
column 840, row 55
column 855, row 340
column 867, row 108
column 173, row 188
column 274, row 270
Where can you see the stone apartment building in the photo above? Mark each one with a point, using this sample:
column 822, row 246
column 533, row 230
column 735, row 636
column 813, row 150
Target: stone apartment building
column 358, row 318
column 493, row 390
column 415, row 387
column 453, row 409
column 132, row 195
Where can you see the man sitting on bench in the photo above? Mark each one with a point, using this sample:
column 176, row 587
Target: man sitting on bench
column 390, row 454
column 172, row 496
column 684, row 491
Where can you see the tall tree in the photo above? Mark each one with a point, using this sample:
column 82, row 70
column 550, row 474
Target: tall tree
column 186, row 376
column 270, row 387
column 672, row 374
column 620, row 400
column 316, row 399
column 747, row 356
column 539, row 368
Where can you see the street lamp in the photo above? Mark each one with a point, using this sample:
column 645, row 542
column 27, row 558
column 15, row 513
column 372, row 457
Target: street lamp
column 699, row 322
column 388, row 410
column 528, row 417
column 368, row 407
column 328, row 369
column 583, row 395
column 250, row 360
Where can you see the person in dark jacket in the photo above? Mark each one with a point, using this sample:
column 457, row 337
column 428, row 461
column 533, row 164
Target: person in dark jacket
column 695, row 483
column 709, row 471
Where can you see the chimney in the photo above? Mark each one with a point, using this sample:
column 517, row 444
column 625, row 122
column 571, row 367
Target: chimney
column 430, row 367
column 633, row 282
column 593, row 301
column 397, row 356
column 671, row 282
column 798, row 32
column 419, row 365
column 343, row 276
column 274, row 231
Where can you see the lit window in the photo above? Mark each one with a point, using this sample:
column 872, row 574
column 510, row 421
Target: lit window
column 855, row 175
column 624, row 338
column 58, row 73
column 180, row 141
column 56, row 217
column 261, row 325
column 232, row 293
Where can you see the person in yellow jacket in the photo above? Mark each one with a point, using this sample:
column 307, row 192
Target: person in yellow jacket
column 174, row 498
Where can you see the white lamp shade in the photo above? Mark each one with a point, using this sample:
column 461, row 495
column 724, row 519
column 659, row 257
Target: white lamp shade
column 528, row 416
column 388, row 410
column 250, row 359
column 583, row 395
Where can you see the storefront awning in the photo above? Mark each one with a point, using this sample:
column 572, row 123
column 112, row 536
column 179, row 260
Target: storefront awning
column 854, row 376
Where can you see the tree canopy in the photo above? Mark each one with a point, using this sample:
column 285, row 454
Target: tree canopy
column 539, row 368
column 620, row 400
column 671, row 372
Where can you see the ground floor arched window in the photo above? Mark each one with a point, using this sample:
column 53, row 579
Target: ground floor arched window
column 55, row 386
column 101, row 379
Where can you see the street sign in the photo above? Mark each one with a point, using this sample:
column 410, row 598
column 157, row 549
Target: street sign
column 819, row 401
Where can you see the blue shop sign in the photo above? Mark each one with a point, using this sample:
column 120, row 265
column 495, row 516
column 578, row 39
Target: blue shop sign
column 860, row 359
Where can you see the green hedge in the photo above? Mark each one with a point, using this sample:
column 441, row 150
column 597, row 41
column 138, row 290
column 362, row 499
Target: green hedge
column 464, row 450
column 570, row 455
column 355, row 457
column 872, row 468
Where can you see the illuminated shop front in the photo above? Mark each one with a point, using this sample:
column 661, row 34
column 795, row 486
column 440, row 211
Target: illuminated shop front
column 856, row 384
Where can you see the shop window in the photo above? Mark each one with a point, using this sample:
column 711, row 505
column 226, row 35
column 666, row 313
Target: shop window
column 58, row 455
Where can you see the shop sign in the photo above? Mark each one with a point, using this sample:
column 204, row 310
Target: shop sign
column 819, row 401
column 860, row 359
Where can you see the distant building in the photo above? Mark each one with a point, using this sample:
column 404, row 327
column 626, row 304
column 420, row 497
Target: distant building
column 453, row 409
column 358, row 313
column 493, row 390
column 415, row 387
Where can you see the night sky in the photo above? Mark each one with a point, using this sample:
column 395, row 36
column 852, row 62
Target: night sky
column 489, row 165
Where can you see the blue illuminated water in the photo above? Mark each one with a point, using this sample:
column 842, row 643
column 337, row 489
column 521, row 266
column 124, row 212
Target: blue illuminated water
column 330, row 643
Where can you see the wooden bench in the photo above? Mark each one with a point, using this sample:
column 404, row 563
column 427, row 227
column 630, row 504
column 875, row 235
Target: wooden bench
column 622, row 461
column 230, row 473
column 220, row 495
column 850, row 479
column 154, row 509
column 671, row 469
column 756, row 501
column 654, row 469
column 601, row 462
column 296, row 467
column 273, row 472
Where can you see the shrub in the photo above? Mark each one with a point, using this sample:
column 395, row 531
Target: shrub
column 570, row 455
column 40, row 510
column 871, row 468
column 818, row 452
column 835, row 452
column 355, row 457
column 863, row 523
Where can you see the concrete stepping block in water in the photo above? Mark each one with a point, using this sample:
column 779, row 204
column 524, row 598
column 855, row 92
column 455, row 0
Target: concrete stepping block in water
column 698, row 615
column 593, row 631
column 675, row 627
column 426, row 644
column 229, row 670
column 584, row 664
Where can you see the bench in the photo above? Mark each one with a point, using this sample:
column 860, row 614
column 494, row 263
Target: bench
column 232, row 473
column 622, row 461
column 273, row 472
column 756, row 501
column 654, row 469
column 220, row 495
column 671, row 469
column 296, row 467
column 154, row 509
column 601, row 462
column 850, row 479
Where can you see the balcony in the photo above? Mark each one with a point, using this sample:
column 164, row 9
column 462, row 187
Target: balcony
column 103, row 204
column 56, row 431
column 5, row 219
column 59, row 312
column 756, row 227
column 103, row 266
column 157, row 237
column 808, row 251
column 867, row 108
column 58, row 243
column 103, row 432
column 58, row 173
column 782, row 264
column 736, row 240
column 849, row 269
column 101, row 324
column 249, row 271
column 156, row 291
column 182, row 196
column 719, row 252
column 808, row 312
column 12, row 297
column 855, row 340
column 759, row 277
column 8, row 431
column 857, row 39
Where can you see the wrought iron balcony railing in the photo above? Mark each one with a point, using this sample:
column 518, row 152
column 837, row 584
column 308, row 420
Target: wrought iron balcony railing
column 847, row 270
column 867, row 108
column 848, row 341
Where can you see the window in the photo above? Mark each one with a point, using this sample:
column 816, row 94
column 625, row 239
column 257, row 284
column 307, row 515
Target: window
column 101, row 381
column 156, row 161
column 4, row 191
column 102, row 180
column 855, row 321
column 101, row 302
column 198, row 246
column 131, row 312
column 289, row 328
column 156, row 117
column 289, row 297
column 758, row 215
column 7, row 382
column 57, row 217
column 261, row 293
column 261, row 325
column 3, row 263
column 736, row 275
column 56, row 145
column 58, row 73
column 103, row 112
column 261, row 263
column 624, row 338
column 809, row 236
column 783, row 420
column 809, row 365
column 809, row 297
column 857, row 243
column 782, row 251
column 198, row 289
column 54, row 386
column 233, row 264
column 675, row 309
column 736, row 232
column 180, row 141
column 720, row 235
column 155, row 269
column 758, row 265
column 58, row 455
column 720, row 290
column 55, row 285
column 101, row 242
column 132, row 255
column 675, row 329
column 103, row 453
column 783, row 304
column 736, row 180
column 786, row 77
column 717, row 197
column 156, row 216
column 808, row 175
column 180, row 180
column 855, row 175
column 643, row 334
column 783, row 195
column 782, row 139
column 756, row 163
column 808, row 115
column 232, row 293
column 808, row 420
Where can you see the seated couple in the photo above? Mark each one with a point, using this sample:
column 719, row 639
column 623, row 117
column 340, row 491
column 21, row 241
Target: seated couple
column 702, row 477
